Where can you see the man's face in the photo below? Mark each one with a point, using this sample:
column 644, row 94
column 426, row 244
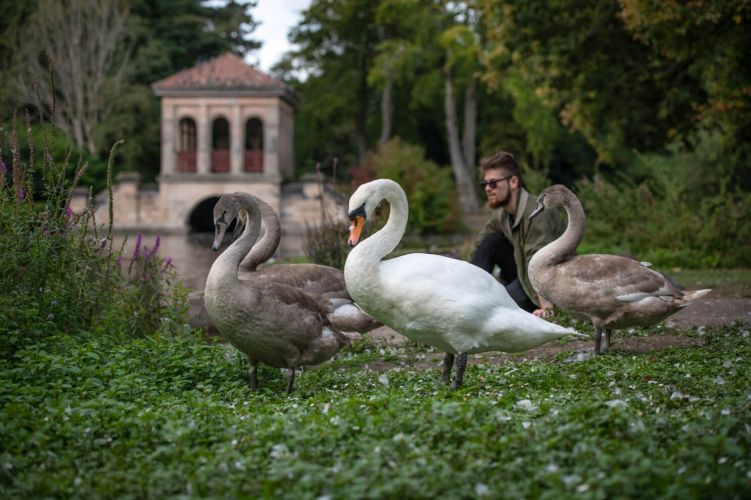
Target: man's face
column 497, row 186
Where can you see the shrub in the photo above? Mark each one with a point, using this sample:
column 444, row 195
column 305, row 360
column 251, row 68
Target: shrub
column 433, row 206
column 683, row 209
column 57, row 274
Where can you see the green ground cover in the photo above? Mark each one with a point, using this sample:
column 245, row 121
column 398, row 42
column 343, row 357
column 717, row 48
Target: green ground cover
column 172, row 417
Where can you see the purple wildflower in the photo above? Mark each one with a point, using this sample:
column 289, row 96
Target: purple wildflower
column 20, row 194
column 136, row 252
column 167, row 263
column 68, row 212
column 137, row 249
column 153, row 250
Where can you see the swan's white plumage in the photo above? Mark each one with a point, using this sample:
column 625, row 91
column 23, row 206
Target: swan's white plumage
column 447, row 303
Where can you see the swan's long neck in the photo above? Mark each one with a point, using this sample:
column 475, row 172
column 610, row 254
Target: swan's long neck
column 361, row 268
column 384, row 242
column 565, row 246
column 225, row 267
column 267, row 245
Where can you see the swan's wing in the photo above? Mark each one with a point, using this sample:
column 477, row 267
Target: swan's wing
column 625, row 279
column 299, row 305
column 312, row 279
column 431, row 277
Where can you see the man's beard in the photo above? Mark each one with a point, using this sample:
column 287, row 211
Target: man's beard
column 496, row 203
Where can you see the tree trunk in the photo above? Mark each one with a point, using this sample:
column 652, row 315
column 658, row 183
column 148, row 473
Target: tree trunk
column 464, row 181
column 89, row 52
column 470, row 126
column 387, row 110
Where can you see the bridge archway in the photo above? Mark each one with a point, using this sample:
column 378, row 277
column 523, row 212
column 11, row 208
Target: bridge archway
column 201, row 218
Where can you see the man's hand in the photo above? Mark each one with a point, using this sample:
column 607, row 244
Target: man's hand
column 545, row 310
column 543, row 313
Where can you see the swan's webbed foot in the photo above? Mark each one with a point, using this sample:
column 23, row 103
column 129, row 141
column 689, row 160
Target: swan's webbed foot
column 461, row 365
column 448, row 364
column 252, row 374
column 290, row 380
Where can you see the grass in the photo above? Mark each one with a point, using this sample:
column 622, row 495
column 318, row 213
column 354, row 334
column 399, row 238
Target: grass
column 724, row 281
column 168, row 417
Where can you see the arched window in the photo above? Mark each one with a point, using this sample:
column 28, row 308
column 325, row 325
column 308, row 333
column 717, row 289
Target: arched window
column 186, row 146
column 254, row 145
column 220, row 145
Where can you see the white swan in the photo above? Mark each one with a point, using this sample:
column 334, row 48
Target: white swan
column 612, row 291
column 446, row 303
column 272, row 323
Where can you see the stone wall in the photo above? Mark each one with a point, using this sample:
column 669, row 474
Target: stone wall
column 166, row 209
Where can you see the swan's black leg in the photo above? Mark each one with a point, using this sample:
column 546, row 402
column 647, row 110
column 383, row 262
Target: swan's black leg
column 606, row 341
column 461, row 364
column 252, row 373
column 448, row 364
column 598, row 340
column 290, row 380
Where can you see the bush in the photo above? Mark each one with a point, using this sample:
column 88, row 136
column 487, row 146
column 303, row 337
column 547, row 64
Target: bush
column 683, row 209
column 433, row 206
column 57, row 275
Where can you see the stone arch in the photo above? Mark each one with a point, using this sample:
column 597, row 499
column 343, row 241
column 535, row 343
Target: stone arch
column 200, row 219
column 220, row 144
column 186, row 145
column 253, row 161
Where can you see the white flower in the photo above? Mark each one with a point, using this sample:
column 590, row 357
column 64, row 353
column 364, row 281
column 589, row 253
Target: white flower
column 279, row 451
column 526, row 405
column 613, row 403
column 383, row 380
column 481, row 490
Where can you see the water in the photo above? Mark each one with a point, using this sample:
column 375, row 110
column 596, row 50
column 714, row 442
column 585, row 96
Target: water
column 191, row 254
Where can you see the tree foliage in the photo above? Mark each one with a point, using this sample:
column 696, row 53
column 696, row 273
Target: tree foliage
column 106, row 56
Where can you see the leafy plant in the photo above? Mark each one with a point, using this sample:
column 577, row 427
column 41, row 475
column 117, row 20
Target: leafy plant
column 679, row 209
column 433, row 206
column 171, row 416
column 58, row 274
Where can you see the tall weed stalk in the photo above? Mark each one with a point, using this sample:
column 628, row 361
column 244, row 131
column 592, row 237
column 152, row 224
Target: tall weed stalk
column 58, row 275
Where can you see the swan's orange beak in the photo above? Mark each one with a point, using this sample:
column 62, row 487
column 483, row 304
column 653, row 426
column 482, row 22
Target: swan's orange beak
column 355, row 229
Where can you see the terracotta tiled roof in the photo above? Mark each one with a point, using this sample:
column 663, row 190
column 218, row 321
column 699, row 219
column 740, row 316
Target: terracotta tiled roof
column 226, row 71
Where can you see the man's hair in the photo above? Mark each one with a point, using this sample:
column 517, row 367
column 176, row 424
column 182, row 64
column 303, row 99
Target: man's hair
column 504, row 161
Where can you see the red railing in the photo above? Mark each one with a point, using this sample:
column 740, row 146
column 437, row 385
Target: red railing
column 186, row 161
column 254, row 161
column 220, row 160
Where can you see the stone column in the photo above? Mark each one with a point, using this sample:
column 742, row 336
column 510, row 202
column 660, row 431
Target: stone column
column 271, row 143
column 236, row 142
column 168, row 138
column 204, row 141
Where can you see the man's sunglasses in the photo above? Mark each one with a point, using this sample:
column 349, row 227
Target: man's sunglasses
column 494, row 182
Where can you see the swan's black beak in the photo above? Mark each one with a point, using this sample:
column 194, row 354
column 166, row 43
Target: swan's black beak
column 357, row 217
column 220, row 227
column 539, row 208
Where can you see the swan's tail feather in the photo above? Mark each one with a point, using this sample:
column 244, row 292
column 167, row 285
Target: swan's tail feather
column 695, row 294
